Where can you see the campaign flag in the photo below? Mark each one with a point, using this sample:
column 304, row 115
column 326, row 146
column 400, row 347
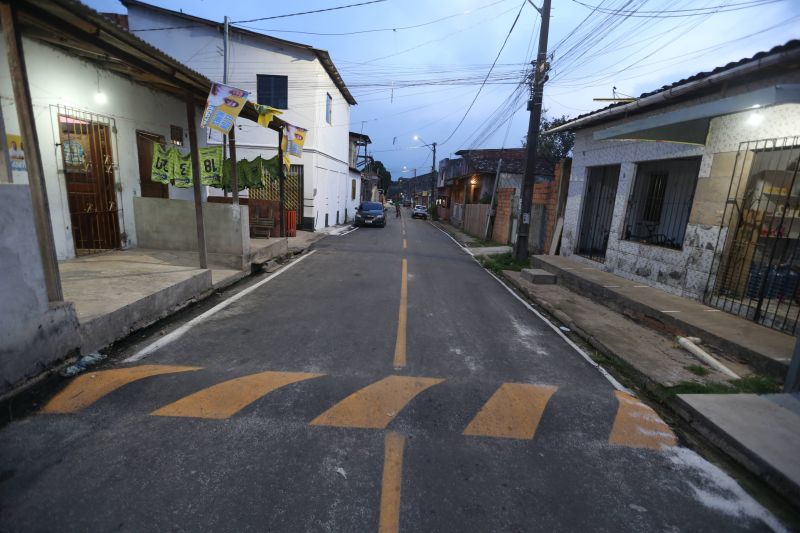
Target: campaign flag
column 223, row 106
column 161, row 170
column 211, row 165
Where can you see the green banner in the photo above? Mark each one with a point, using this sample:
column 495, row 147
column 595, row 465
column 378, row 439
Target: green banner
column 182, row 166
column 161, row 171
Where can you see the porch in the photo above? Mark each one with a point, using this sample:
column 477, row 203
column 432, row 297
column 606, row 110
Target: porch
column 120, row 291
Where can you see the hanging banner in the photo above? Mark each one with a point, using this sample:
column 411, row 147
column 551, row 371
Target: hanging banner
column 16, row 153
column 182, row 169
column 211, row 166
column 161, row 171
column 295, row 138
column 223, row 106
column 265, row 114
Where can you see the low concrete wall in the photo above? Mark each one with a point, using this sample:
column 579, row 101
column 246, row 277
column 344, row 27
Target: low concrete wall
column 34, row 335
column 165, row 224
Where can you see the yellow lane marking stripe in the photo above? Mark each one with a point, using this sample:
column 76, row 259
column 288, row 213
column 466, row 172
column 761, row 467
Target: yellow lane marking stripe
column 376, row 405
column 638, row 426
column 513, row 412
column 392, row 482
column 400, row 342
column 405, row 244
column 229, row 397
column 84, row 390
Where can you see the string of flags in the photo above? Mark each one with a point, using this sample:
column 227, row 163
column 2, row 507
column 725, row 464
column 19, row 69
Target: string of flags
column 224, row 104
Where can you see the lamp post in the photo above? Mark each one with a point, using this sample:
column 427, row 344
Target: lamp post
column 431, row 146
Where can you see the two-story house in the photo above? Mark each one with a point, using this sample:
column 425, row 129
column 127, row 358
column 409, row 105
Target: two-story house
column 298, row 79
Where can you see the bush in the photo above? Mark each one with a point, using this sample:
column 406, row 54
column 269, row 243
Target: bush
column 498, row 263
column 433, row 212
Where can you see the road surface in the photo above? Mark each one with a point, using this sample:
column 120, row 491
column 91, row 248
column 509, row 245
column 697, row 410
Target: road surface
column 385, row 382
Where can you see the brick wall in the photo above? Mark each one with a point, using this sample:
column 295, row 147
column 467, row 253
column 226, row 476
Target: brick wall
column 546, row 195
column 502, row 219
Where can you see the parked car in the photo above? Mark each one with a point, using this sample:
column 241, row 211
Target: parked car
column 420, row 211
column 370, row 214
column 406, row 203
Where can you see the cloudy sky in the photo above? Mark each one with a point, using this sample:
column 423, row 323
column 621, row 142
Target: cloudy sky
column 415, row 66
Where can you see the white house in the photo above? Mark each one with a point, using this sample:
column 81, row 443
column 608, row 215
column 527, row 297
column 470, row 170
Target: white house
column 693, row 188
column 296, row 78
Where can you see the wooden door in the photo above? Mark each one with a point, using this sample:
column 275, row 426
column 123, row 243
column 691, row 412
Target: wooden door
column 144, row 145
column 91, row 187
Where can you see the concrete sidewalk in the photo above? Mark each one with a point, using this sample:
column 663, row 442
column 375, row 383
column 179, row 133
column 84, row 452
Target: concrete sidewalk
column 761, row 432
column 120, row 291
column 767, row 350
column 470, row 242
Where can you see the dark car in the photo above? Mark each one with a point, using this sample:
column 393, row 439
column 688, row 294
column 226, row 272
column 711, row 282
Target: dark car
column 370, row 214
column 406, row 203
column 420, row 211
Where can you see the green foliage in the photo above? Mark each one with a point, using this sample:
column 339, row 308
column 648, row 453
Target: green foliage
column 555, row 146
column 748, row 385
column 385, row 177
column 433, row 211
column 482, row 243
column 698, row 370
column 498, row 263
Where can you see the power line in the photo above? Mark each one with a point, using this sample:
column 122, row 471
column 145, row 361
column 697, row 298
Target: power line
column 673, row 13
column 508, row 35
column 265, row 18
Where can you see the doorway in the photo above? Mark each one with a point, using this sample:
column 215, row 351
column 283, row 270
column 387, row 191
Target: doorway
column 89, row 176
column 144, row 145
column 598, row 209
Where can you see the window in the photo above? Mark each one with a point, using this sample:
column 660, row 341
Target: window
column 328, row 108
column 658, row 209
column 273, row 91
column 176, row 135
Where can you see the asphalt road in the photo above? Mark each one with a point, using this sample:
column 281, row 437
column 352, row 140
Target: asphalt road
column 353, row 393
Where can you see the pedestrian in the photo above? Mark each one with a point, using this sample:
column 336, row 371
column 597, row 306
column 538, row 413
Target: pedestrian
column 397, row 210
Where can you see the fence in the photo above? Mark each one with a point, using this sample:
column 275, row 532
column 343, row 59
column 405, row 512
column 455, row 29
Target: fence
column 475, row 219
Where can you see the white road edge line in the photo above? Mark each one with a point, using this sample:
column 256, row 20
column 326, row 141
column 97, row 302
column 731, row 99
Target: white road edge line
column 347, row 232
column 616, row 384
column 179, row 332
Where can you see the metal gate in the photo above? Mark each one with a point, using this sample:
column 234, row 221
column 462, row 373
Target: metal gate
column 598, row 209
column 294, row 191
column 756, row 270
column 89, row 176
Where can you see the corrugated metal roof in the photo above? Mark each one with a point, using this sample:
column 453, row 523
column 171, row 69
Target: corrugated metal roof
column 791, row 45
column 485, row 160
column 323, row 55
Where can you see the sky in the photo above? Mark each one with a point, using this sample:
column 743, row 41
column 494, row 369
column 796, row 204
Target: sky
column 421, row 81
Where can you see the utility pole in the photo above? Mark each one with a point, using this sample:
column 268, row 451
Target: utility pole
column 433, row 178
column 535, row 107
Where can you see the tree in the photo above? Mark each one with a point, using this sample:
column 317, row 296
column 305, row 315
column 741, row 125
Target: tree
column 385, row 177
column 553, row 147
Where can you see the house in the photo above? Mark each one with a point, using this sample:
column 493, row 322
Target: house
column 692, row 188
column 298, row 79
column 79, row 183
column 470, row 180
column 357, row 183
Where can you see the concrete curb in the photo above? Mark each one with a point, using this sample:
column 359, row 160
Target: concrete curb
column 710, row 434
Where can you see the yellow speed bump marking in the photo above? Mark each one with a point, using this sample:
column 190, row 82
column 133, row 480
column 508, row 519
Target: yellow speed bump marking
column 392, row 482
column 376, row 405
column 513, row 412
column 402, row 318
column 229, row 397
column 84, row 390
column 638, row 426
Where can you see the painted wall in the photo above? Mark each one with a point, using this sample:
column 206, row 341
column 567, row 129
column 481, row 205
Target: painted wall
column 34, row 334
column 57, row 79
column 325, row 156
column 686, row 271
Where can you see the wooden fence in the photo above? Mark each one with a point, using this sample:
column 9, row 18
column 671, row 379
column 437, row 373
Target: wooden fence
column 475, row 219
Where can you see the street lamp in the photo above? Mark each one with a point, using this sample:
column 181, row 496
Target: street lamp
column 431, row 146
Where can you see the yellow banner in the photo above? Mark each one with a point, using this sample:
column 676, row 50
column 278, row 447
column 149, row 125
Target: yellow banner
column 223, row 106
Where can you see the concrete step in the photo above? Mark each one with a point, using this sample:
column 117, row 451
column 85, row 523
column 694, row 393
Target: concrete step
column 539, row 276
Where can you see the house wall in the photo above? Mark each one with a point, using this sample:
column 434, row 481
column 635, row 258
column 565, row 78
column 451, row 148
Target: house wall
column 35, row 334
column 502, row 220
column 326, row 150
column 686, row 271
column 58, row 79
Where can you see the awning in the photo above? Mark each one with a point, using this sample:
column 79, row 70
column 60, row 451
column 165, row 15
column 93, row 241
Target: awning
column 689, row 124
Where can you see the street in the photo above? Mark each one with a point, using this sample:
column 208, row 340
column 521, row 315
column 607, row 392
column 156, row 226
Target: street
column 382, row 382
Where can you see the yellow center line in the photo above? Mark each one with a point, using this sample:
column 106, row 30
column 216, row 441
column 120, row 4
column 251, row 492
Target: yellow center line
column 400, row 343
column 225, row 399
column 84, row 390
column 405, row 244
column 392, row 483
